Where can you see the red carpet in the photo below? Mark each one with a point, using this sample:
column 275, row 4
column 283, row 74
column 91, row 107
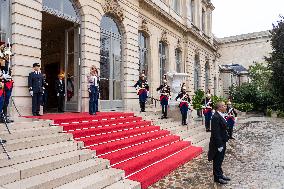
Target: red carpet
column 144, row 151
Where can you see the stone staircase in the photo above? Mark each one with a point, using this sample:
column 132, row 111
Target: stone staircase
column 42, row 156
column 194, row 131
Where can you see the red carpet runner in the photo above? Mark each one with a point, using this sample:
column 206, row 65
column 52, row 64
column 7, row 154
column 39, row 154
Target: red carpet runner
column 144, row 151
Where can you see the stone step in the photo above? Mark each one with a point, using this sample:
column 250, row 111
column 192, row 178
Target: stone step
column 8, row 175
column 204, row 144
column 125, row 184
column 60, row 176
column 26, row 155
column 43, row 165
column 25, row 125
column 98, row 180
column 30, row 142
column 30, row 132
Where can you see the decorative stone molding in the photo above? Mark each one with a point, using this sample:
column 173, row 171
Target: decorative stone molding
column 144, row 27
column 112, row 7
column 164, row 37
column 179, row 45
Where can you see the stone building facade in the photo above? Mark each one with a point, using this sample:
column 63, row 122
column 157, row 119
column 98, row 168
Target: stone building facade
column 120, row 37
column 237, row 53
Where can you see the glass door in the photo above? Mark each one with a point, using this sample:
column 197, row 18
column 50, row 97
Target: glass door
column 110, row 66
column 72, row 70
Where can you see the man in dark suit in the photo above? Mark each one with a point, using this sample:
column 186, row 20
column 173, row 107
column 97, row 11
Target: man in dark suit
column 35, row 84
column 60, row 92
column 217, row 145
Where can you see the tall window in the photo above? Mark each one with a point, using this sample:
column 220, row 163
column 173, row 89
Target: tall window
column 207, row 76
column 176, row 6
column 196, row 72
column 178, row 60
column 192, row 4
column 163, row 59
column 4, row 20
column 203, row 20
column 143, row 51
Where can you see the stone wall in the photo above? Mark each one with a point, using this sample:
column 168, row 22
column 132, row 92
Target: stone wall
column 244, row 49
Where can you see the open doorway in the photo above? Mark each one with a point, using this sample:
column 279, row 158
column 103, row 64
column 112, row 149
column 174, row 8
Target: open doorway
column 60, row 55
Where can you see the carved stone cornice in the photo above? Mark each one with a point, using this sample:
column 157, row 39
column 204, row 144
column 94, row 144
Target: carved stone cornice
column 113, row 8
column 144, row 27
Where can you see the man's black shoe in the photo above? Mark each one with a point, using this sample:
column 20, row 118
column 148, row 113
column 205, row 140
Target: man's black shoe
column 38, row 114
column 34, row 114
column 232, row 138
column 208, row 130
column 221, row 181
column 226, row 178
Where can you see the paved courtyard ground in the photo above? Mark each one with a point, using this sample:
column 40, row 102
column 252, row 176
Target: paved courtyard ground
column 255, row 160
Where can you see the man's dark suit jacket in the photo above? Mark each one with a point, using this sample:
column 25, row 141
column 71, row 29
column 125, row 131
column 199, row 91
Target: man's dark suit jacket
column 60, row 87
column 219, row 135
column 35, row 82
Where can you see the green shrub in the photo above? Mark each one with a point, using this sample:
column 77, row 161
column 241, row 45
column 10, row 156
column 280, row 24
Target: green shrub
column 244, row 107
column 269, row 112
column 280, row 114
column 197, row 99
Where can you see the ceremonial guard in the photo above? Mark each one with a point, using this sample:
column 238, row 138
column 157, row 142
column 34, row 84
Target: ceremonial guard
column 36, row 88
column 45, row 92
column 8, row 87
column 207, row 111
column 142, row 88
column 2, row 98
column 165, row 93
column 184, row 104
column 60, row 92
column 93, row 88
column 230, row 118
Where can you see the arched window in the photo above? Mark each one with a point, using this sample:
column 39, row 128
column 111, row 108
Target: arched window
column 192, row 10
column 203, row 20
column 163, row 59
column 196, row 72
column 63, row 8
column 143, row 52
column 110, row 63
column 4, row 20
column 207, row 76
column 178, row 60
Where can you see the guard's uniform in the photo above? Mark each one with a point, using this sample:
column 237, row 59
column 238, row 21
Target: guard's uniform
column 183, row 105
column 93, row 85
column 230, row 118
column 35, row 84
column 2, row 98
column 164, row 98
column 207, row 111
column 8, row 87
column 142, row 90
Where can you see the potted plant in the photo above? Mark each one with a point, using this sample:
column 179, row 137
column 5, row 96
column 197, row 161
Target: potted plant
column 197, row 101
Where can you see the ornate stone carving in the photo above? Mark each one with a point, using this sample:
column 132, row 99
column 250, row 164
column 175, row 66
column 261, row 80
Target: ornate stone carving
column 112, row 7
column 179, row 45
column 164, row 37
column 144, row 27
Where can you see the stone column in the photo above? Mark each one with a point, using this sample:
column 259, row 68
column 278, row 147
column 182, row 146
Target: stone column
column 26, row 40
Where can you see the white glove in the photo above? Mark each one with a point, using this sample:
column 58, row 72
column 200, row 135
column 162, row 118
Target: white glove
column 89, row 90
column 57, row 94
column 31, row 93
column 220, row 149
column 64, row 94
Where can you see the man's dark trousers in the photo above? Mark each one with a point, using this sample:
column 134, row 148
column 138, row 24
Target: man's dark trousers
column 217, row 163
column 93, row 103
column 60, row 100
column 36, row 101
